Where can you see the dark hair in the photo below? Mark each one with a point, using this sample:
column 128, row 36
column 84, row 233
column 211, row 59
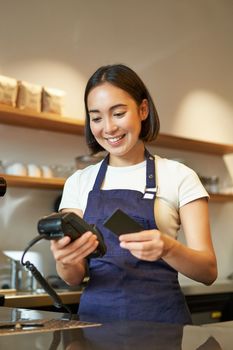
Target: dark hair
column 126, row 79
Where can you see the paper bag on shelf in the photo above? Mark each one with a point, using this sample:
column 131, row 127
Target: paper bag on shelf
column 8, row 90
column 29, row 96
column 53, row 100
column 228, row 160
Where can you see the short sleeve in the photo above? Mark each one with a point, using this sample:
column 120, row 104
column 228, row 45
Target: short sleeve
column 70, row 196
column 190, row 186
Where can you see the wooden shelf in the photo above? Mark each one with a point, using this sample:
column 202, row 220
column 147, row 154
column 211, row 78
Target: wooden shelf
column 34, row 182
column 191, row 145
column 41, row 121
column 221, row 197
column 62, row 124
column 58, row 183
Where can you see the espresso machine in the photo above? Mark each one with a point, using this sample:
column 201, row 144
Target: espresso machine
column 2, row 186
column 2, row 192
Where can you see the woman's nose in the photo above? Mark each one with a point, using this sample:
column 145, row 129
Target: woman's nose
column 109, row 126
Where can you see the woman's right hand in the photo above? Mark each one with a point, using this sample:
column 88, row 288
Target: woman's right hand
column 70, row 256
column 69, row 252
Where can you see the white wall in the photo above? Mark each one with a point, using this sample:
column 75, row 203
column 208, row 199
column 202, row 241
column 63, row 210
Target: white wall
column 182, row 49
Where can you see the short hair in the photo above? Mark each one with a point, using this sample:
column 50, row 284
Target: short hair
column 126, row 79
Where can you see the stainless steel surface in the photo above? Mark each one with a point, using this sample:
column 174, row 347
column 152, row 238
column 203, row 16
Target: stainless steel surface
column 21, row 279
column 5, row 271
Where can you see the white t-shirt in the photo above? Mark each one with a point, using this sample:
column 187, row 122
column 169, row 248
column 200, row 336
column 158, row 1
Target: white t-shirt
column 177, row 185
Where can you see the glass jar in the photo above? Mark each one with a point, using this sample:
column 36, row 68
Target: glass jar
column 211, row 183
column 2, row 168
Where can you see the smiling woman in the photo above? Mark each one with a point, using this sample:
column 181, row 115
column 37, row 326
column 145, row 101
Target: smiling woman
column 115, row 122
column 137, row 278
column 128, row 92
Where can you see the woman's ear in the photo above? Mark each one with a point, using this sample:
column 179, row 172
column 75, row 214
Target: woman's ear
column 144, row 109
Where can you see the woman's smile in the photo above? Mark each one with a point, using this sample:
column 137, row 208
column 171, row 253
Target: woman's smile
column 114, row 140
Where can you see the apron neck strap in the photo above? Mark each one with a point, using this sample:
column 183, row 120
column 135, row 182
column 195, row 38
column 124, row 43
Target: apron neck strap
column 101, row 174
column 151, row 189
column 150, row 173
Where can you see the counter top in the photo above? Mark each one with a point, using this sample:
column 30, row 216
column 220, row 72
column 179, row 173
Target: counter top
column 38, row 299
column 222, row 286
column 132, row 335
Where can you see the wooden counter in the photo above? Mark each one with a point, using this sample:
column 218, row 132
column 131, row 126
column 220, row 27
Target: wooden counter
column 38, row 299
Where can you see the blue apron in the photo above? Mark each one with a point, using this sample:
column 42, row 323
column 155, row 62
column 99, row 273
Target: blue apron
column 121, row 286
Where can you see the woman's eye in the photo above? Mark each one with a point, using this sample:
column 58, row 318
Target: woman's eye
column 95, row 119
column 119, row 114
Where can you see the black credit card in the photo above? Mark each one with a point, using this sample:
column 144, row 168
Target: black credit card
column 120, row 222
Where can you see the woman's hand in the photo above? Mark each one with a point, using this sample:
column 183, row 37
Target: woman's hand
column 69, row 256
column 145, row 245
column 71, row 253
column 195, row 260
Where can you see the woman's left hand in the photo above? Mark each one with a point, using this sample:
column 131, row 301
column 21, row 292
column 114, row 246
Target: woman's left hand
column 145, row 245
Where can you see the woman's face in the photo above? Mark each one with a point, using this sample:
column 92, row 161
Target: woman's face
column 115, row 121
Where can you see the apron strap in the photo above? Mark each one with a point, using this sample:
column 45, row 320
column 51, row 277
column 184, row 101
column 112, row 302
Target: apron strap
column 101, row 174
column 150, row 191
